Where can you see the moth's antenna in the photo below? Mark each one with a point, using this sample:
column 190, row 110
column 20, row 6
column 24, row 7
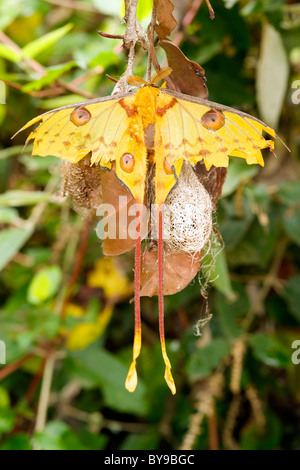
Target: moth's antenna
column 168, row 374
column 131, row 380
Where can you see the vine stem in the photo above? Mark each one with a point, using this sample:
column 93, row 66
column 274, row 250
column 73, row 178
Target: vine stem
column 45, row 392
column 134, row 33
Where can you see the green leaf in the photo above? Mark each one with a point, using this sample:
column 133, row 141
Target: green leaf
column 15, row 150
column 13, row 77
column 53, row 74
column 269, row 350
column 9, row 10
column 206, row 359
column 292, row 296
column 7, row 420
column 11, row 241
column 144, row 9
column 39, row 164
column 254, row 6
column 208, row 51
column 231, row 313
column 18, row 442
column 23, row 198
column 232, row 227
column 9, row 54
column 105, row 59
column 254, row 438
column 4, row 398
column 98, row 367
column 7, row 215
column 39, row 45
column 257, row 246
column 58, row 436
column 238, row 171
column 144, row 441
column 44, row 285
column 272, row 75
column 218, row 273
column 291, row 224
column 289, row 192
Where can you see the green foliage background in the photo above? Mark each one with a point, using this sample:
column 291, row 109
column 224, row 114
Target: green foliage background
column 237, row 385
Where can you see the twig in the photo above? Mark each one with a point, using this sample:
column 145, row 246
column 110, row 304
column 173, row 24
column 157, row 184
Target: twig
column 74, row 89
column 90, row 73
column 111, row 78
column 228, row 438
column 29, row 395
column 151, row 55
column 75, row 5
column 45, row 392
column 187, row 20
column 204, row 408
column 78, row 260
column 111, row 36
column 210, row 9
column 213, row 431
column 237, row 352
column 11, row 368
column 256, row 405
column 134, row 33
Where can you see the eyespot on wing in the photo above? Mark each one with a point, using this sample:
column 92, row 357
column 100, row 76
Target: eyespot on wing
column 80, row 116
column 213, row 119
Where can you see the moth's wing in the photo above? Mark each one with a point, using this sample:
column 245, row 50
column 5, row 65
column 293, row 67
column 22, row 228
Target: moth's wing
column 180, row 119
column 57, row 134
column 101, row 127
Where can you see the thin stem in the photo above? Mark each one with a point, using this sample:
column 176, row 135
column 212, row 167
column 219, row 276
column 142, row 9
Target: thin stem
column 45, row 393
column 151, row 42
column 11, row 368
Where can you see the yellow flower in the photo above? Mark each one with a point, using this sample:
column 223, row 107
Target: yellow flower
column 74, row 310
column 82, row 335
column 109, row 277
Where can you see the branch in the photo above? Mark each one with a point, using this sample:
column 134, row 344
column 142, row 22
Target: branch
column 6, row 371
column 76, row 5
column 134, row 33
column 45, row 393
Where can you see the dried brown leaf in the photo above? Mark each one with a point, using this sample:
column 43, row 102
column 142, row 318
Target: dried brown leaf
column 112, row 191
column 187, row 76
column 212, row 180
column 179, row 270
column 165, row 19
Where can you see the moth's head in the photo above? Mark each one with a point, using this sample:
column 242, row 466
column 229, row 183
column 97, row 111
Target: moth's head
column 157, row 77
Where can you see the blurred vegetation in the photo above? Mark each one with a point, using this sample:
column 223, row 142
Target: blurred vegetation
column 69, row 334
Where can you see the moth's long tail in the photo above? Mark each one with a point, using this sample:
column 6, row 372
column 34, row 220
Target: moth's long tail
column 168, row 375
column 131, row 380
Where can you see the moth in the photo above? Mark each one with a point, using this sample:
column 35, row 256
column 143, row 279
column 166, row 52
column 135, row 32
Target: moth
column 152, row 128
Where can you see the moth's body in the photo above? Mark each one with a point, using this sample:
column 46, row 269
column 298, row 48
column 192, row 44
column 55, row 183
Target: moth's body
column 152, row 125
